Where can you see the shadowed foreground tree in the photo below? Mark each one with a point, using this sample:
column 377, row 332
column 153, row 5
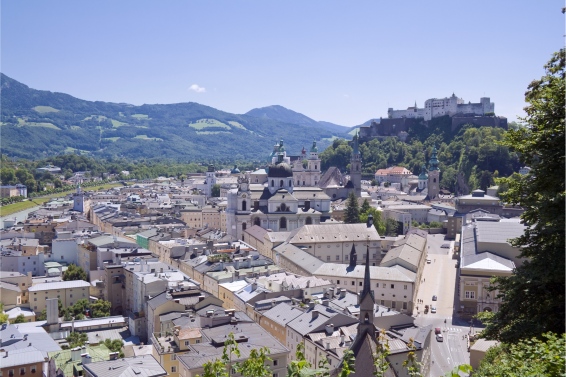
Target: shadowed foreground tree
column 352, row 211
column 533, row 297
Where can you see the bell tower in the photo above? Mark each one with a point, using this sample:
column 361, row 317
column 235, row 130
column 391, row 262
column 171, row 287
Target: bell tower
column 356, row 167
column 433, row 176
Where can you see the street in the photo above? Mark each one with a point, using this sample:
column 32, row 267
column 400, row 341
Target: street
column 439, row 278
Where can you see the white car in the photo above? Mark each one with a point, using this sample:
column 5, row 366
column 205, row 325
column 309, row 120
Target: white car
column 439, row 338
column 428, row 261
column 433, row 309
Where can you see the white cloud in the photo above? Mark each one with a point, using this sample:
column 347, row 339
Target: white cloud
column 197, row 89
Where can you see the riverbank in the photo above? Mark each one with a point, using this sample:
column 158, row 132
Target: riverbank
column 10, row 209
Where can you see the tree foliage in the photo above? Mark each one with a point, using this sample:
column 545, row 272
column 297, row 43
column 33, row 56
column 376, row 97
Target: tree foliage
column 3, row 316
column 530, row 357
column 77, row 339
column 352, row 211
column 300, row 367
column 533, row 297
column 74, row 272
column 20, row 319
column 115, row 346
column 215, row 192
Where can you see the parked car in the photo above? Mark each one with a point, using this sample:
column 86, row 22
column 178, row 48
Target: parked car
column 428, row 261
column 445, row 246
column 437, row 330
column 439, row 338
column 433, row 309
column 434, row 298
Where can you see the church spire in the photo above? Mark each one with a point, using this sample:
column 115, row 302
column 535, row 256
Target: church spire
column 367, row 281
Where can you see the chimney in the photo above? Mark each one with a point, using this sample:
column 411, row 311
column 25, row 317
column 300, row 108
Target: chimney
column 76, row 354
column 342, row 339
column 161, row 270
column 86, row 359
column 254, row 287
column 314, row 314
column 342, row 293
column 329, row 329
column 311, row 305
column 237, row 264
column 325, row 302
column 200, row 298
column 330, row 292
column 327, row 345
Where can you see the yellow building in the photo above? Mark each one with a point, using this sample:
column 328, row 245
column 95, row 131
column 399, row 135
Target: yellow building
column 69, row 292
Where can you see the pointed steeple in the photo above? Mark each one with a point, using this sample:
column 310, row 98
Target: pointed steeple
column 353, row 257
column 367, row 281
column 355, row 146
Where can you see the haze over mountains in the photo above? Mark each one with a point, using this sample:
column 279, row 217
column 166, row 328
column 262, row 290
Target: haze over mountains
column 38, row 123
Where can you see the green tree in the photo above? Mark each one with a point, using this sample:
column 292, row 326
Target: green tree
column 3, row 316
column 100, row 308
column 348, row 364
column 215, row 191
column 533, row 297
column 300, row 367
column 365, row 206
column 380, row 363
column 391, row 227
column 352, row 212
column 20, row 319
column 41, row 316
column 77, row 339
column 255, row 364
column 74, row 272
column 378, row 222
column 530, row 357
column 412, row 364
column 115, row 346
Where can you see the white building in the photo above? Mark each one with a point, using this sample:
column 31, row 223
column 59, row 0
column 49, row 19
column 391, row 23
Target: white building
column 436, row 107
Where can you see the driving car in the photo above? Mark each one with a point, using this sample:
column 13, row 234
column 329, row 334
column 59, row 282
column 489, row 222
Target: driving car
column 433, row 309
column 434, row 298
column 437, row 330
column 428, row 261
column 439, row 338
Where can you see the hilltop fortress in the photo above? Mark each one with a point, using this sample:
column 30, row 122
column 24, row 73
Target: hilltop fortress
column 399, row 121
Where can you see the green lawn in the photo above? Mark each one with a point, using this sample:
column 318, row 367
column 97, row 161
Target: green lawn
column 140, row 116
column 237, row 125
column 45, row 109
column 117, row 123
column 205, row 123
column 41, row 124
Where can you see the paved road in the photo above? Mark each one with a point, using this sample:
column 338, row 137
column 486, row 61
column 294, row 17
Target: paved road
column 440, row 279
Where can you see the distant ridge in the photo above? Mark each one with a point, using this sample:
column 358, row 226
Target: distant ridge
column 282, row 114
column 49, row 123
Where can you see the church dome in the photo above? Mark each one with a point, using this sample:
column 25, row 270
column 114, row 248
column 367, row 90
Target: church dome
column 235, row 170
column 281, row 170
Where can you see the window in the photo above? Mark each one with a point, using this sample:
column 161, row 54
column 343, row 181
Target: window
column 338, row 257
column 275, row 362
column 186, row 343
column 173, row 356
column 392, row 304
column 173, row 369
column 404, row 305
column 392, row 286
column 470, row 294
column 337, row 281
column 22, row 371
column 360, row 283
column 328, row 258
column 281, row 183
column 33, row 369
column 71, row 295
column 35, row 299
column 197, row 341
column 346, row 257
column 405, row 287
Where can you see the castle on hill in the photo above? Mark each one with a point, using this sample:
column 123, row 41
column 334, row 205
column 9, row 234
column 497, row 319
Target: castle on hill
column 399, row 122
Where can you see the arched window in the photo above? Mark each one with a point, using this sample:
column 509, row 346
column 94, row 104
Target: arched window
column 257, row 221
column 283, row 207
column 244, row 205
column 281, row 183
column 308, row 221
column 434, row 180
column 272, row 183
column 244, row 226
column 315, row 167
column 282, row 223
column 290, row 183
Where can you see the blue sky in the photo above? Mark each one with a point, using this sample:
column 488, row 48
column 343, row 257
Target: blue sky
column 342, row 62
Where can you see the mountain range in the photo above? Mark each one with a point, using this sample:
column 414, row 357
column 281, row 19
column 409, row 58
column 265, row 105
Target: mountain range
column 39, row 123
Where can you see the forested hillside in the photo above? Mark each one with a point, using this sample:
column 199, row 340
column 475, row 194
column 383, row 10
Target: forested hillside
column 38, row 123
column 471, row 158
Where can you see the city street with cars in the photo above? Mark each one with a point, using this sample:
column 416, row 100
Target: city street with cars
column 438, row 290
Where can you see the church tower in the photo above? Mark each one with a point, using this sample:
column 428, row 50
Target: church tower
column 210, row 180
column 433, row 176
column 356, row 167
column 79, row 200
